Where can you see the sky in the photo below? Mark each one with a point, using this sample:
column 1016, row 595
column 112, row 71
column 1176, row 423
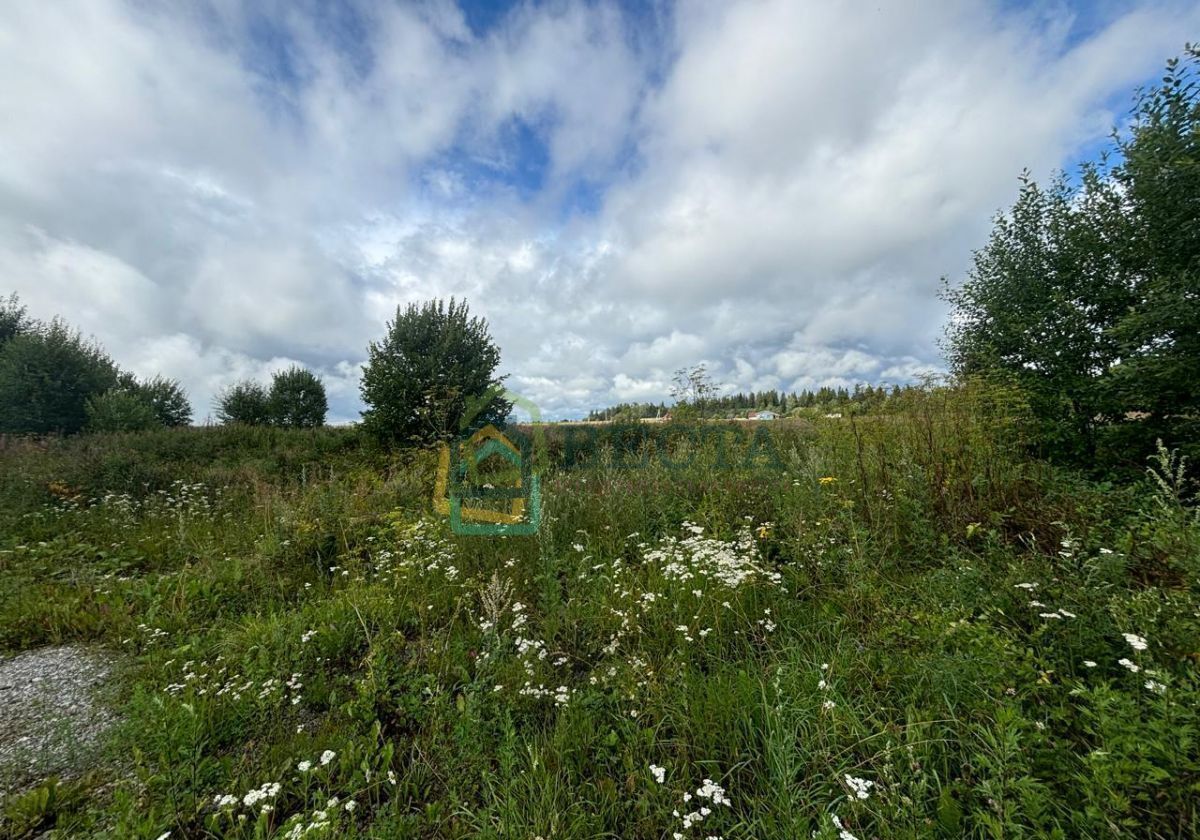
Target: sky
column 217, row 190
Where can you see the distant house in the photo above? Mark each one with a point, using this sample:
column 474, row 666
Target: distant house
column 765, row 414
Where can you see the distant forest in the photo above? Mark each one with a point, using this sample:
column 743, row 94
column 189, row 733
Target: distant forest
column 863, row 397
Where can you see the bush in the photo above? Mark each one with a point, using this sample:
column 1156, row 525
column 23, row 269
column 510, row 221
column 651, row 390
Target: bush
column 297, row 399
column 120, row 410
column 48, row 373
column 435, row 365
column 12, row 319
column 167, row 399
column 246, row 403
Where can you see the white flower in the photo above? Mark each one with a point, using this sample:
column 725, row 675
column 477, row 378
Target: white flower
column 327, row 756
column 304, row 766
column 1155, row 686
column 660, row 773
column 1087, row 663
column 1127, row 664
column 828, row 704
column 843, row 834
column 350, row 805
column 860, row 787
column 577, row 547
column 1135, row 641
column 1026, row 586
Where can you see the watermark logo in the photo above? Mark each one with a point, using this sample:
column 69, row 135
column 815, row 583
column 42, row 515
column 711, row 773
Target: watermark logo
column 489, row 481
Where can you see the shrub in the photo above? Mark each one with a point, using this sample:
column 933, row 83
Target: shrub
column 244, row 402
column 13, row 321
column 420, row 382
column 167, row 399
column 120, row 410
column 297, row 399
column 48, row 373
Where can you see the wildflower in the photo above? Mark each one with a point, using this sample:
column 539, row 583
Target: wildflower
column 659, row 773
column 1136, row 642
column 350, row 806
column 826, row 480
column 712, row 791
column 860, row 787
column 1155, row 686
column 1026, row 586
column 1129, row 665
column 843, row 834
column 1087, row 663
column 392, row 777
column 304, row 766
column 327, row 756
column 306, row 636
column 828, row 704
column 577, row 547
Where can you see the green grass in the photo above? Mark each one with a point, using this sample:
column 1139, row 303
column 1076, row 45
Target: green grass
column 852, row 613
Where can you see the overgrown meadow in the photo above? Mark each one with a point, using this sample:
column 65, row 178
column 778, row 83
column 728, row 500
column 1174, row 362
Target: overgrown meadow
column 892, row 626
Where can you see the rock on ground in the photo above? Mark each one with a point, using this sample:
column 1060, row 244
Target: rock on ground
column 51, row 720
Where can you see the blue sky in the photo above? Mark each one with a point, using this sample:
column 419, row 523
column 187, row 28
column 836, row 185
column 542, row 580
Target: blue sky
column 219, row 189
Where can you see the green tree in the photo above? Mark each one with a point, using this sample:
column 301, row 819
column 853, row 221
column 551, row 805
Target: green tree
column 1156, row 188
column 48, row 372
column 168, row 399
column 244, row 402
column 435, row 364
column 693, row 390
column 13, row 320
column 297, row 399
column 120, row 410
column 1034, row 309
column 1088, row 296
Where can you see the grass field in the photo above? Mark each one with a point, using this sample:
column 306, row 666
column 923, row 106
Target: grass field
column 904, row 628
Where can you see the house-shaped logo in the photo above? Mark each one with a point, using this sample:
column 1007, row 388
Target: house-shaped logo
column 487, row 483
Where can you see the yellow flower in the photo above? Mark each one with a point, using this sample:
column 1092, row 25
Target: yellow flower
column 826, row 480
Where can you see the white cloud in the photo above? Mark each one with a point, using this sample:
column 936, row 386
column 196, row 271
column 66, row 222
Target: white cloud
column 777, row 186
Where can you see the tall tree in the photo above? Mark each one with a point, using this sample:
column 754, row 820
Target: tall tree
column 1088, row 296
column 13, row 320
column 436, row 364
column 246, row 403
column 1157, row 188
column 48, row 372
column 297, row 399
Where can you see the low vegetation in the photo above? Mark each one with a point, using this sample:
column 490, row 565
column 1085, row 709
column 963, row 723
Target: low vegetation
column 898, row 627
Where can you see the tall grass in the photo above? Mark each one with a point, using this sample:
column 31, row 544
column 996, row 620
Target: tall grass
column 875, row 627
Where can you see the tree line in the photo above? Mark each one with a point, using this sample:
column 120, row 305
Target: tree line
column 862, row 396
column 1087, row 294
column 53, row 380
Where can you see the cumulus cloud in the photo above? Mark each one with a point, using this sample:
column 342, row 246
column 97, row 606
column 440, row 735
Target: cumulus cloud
column 217, row 190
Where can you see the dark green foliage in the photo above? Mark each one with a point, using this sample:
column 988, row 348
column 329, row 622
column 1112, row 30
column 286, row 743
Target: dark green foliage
column 297, row 399
column 246, row 402
column 13, row 320
column 48, row 372
column 435, row 365
column 1088, row 297
column 120, row 410
column 1158, row 186
column 167, row 399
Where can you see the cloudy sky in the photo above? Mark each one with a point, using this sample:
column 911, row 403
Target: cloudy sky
column 217, row 189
